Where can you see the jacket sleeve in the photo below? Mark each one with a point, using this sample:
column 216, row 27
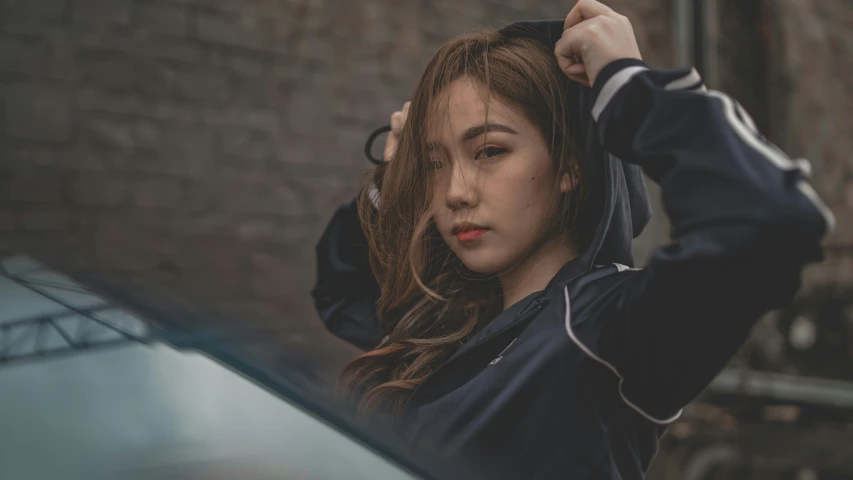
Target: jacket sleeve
column 745, row 222
column 346, row 291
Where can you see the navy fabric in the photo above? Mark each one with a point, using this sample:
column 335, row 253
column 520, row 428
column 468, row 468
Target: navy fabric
column 580, row 379
column 346, row 303
column 618, row 185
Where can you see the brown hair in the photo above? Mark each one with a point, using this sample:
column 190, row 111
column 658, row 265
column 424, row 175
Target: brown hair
column 429, row 306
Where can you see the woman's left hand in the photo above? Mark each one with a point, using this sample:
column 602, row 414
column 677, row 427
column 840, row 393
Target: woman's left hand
column 593, row 36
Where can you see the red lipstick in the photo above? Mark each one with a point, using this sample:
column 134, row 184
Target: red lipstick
column 469, row 235
column 467, row 231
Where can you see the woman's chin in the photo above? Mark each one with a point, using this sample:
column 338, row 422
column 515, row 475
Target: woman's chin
column 482, row 264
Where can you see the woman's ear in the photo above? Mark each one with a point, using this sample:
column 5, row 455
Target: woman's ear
column 569, row 177
column 568, row 182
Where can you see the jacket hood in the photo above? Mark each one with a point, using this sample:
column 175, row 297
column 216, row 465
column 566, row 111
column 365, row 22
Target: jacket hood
column 618, row 207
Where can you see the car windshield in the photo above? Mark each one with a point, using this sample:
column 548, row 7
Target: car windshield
column 90, row 392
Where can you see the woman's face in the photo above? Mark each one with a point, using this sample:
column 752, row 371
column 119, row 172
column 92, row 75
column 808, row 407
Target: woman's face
column 495, row 182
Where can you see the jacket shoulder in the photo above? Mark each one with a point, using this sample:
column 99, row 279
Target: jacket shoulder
column 602, row 279
column 593, row 294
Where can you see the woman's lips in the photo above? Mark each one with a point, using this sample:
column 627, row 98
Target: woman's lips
column 469, row 235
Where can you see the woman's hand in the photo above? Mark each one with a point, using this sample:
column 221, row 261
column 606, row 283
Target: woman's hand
column 593, row 36
column 398, row 119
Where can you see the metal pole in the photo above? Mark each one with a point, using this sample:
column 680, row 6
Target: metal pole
column 682, row 26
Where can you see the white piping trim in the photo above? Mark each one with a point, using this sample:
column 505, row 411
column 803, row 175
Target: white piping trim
column 612, row 86
column 805, row 166
column 810, row 193
column 373, row 196
column 746, row 117
column 781, row 161
column 600, row 360
column 691, row 78
column 623, row 268
column 771, row 153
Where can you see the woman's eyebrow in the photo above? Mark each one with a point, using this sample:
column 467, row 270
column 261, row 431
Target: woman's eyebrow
column 434, row 147
column 474, row 132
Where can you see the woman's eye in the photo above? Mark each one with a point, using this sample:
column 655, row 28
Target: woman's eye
column 489, row 152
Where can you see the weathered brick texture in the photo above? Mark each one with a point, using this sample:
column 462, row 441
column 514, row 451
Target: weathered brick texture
column 202, row 144
column 810, row 113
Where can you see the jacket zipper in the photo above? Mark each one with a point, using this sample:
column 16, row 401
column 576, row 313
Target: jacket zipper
column 501, row 355
column 523, row 318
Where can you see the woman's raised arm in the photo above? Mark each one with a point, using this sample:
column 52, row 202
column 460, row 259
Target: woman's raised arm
column 745, row 223
column 346, row 292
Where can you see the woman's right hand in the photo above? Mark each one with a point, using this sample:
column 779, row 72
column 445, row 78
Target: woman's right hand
column 398, row 119
column 593, row 36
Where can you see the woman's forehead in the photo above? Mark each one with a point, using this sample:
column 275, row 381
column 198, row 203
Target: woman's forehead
column 465, row 104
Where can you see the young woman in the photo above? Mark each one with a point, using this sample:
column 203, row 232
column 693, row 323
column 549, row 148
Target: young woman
column 487, row 267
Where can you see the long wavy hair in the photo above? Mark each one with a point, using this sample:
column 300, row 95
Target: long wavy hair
column 430, row 302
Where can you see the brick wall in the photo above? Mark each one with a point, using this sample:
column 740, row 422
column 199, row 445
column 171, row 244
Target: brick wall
column 202, row 144
column 811, row 57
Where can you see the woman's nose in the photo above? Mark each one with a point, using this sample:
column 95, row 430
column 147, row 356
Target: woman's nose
column 462, row 191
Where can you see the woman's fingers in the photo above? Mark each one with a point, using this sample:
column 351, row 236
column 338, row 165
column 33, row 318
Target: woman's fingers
column 571, row 44
column 398, row 119
column 595, row 41
column 390, row 147
column 583, row 10
column 397, row 123
column 576, row 69
column 580, row 77
column 569, row 57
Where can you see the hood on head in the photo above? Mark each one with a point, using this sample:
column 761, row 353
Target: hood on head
column 617, row 208
column 618, row 205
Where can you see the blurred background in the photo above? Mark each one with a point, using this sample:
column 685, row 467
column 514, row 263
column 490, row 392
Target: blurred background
column 199, row 146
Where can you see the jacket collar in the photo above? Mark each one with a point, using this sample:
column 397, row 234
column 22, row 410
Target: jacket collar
column 571, row 270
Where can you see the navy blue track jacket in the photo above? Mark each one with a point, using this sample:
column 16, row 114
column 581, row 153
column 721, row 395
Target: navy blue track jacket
column 580, row 380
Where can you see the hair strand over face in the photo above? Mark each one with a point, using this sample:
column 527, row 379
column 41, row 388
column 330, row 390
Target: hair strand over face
column 429, row 306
